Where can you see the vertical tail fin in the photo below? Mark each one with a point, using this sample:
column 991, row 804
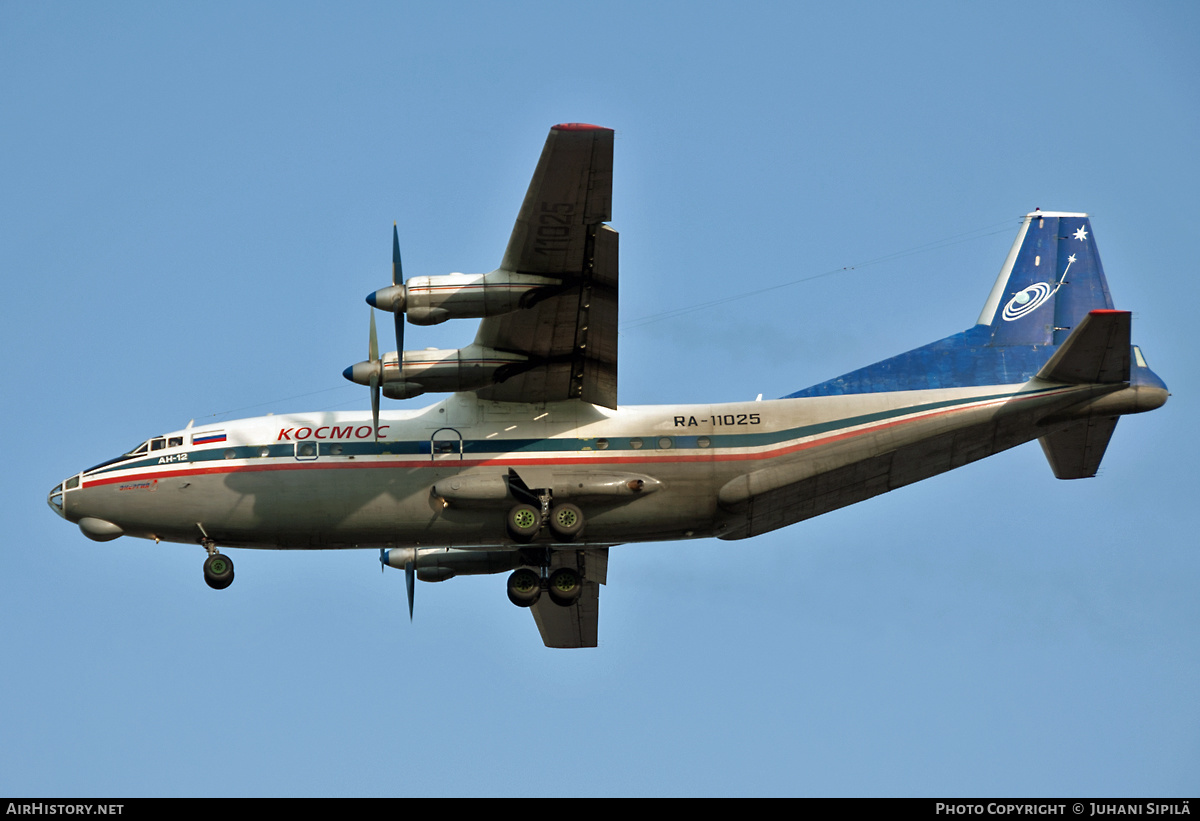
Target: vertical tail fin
column 1051, row 279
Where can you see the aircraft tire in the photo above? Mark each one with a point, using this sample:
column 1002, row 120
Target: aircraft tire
column 524, row 587
column 523, row 522
column 566, row 520
column 218, row 571
column 565, row 586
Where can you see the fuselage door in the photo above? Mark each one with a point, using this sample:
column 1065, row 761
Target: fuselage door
column 446, row 444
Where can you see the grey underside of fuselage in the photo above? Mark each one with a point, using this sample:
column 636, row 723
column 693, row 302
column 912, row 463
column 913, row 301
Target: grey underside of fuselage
column 728, row 493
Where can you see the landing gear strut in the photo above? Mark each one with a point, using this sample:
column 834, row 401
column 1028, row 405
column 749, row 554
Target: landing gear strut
column 218, row 568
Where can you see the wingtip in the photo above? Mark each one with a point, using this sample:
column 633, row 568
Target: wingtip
column 578, row 127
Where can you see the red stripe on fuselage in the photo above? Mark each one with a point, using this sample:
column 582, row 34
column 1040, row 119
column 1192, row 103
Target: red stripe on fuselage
column 516, row 459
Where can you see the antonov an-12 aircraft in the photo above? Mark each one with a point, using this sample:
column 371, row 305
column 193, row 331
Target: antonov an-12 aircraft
column 530, row 467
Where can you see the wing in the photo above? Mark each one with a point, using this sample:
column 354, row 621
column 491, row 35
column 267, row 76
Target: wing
column 569, row 331
column 577, row 625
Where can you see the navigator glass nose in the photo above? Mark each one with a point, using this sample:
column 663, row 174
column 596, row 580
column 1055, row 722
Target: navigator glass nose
column 55, row 499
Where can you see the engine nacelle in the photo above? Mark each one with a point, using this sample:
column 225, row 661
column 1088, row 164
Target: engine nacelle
column 431, row 300
column 447, row 370
column 437, row 370
column 481, row 489
column 436, row 564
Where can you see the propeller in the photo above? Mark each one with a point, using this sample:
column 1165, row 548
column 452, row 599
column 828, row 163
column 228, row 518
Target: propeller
column 410, row 576
column 371, row 372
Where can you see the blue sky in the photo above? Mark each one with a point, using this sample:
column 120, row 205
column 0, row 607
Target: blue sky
column 196, row 199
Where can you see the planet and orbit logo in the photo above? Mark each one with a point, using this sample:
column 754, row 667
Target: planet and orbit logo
column 1028, row 300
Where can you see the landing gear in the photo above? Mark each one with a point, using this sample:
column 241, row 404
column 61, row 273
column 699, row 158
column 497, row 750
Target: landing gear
column 218, row 568
column 523, row 523
column 565, row 586
column 566, row 520
column 218, row 571
column 524, row 587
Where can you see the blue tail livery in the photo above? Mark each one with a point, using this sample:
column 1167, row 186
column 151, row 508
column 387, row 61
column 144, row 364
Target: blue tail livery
column 1050, row 281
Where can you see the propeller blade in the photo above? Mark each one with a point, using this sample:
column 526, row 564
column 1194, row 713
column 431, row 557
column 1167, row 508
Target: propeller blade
column 397, row 269
column 376, row 378
column 398, row 316
column 410, row 579
column 375, row 406
column 373, row 345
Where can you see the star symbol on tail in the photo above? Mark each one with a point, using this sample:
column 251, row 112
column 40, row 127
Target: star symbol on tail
column 1081, row 234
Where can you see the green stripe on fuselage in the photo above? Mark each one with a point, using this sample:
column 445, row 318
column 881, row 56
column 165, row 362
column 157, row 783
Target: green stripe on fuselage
column 482, row 447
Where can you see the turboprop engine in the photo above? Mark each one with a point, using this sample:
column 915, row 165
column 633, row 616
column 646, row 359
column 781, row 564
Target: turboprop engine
column 403, row 374
column 434, row 370
column 430, row 300
column 436, row 564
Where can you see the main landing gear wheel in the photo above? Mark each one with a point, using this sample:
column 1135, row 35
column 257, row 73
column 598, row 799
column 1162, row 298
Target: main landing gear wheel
column 566, row 520
column 524, row 587
column 565, row 586
column 218, row 571
column 523, row 522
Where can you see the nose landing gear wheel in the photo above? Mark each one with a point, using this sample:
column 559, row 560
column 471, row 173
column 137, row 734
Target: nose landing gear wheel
column 523, row 522
column 566, row 520
column 218, row 571
column 524, row 587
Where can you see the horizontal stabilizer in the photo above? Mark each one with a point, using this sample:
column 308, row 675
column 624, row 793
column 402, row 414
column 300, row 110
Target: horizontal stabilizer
column 1075, row 451
column 1096, row 352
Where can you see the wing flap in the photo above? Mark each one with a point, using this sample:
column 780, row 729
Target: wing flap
column 569, row 334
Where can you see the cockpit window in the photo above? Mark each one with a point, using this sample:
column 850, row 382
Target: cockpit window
column 175, row 442
column 158, row 444
column 144, row 447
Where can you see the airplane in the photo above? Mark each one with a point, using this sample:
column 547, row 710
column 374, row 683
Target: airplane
column 530, row 467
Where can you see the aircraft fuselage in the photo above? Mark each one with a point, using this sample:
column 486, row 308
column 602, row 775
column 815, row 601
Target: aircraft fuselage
column 445, row 474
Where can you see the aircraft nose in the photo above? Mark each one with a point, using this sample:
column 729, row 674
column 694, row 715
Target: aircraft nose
column 55, row 499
